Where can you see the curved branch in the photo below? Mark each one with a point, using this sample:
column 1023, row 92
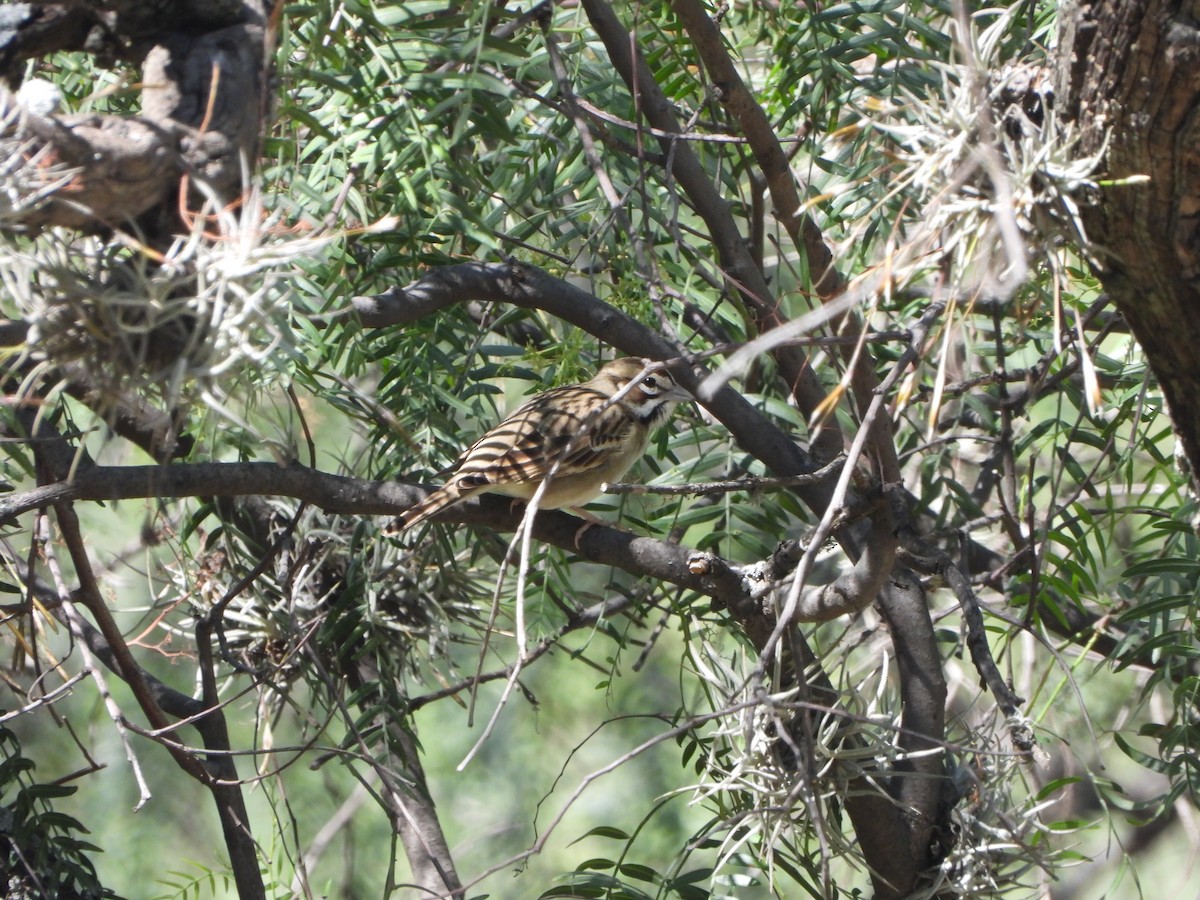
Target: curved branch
column 528, row 286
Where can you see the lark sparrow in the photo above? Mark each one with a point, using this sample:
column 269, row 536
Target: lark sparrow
column 591, row 433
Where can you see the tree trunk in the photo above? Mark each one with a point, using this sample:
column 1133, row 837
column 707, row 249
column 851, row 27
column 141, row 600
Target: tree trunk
column 1129, row 71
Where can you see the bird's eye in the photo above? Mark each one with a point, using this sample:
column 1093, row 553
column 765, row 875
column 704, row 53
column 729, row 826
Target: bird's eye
column 651, row 382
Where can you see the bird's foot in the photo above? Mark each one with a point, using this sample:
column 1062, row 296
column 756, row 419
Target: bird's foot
column 588, row 521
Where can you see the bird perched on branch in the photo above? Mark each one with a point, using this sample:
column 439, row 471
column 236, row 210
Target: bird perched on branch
column 579, row 436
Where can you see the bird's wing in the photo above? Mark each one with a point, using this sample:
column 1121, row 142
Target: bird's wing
column 524, row 447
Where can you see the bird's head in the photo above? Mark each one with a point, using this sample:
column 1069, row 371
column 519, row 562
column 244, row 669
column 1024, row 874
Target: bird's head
column 651, row 400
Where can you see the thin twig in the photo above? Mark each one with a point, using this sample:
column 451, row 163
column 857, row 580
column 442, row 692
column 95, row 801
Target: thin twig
column 45, row 699
column 726, row 487
column 931, row 561
column 74, row 623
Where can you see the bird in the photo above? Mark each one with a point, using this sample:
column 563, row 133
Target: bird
column 589, row 432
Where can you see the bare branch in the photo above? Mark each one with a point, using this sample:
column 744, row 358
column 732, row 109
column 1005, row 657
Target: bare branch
column 335, row 493
column 76, row 624
column 932, row 561
column 731, row 91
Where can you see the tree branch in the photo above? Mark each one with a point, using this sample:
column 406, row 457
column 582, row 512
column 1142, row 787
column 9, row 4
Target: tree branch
column 339, row 494
column 528, row 286
column 744, row 275
column 130, row 416
column 1129, row 82
column 202, row 112
column 31, row 30
column 732, row 93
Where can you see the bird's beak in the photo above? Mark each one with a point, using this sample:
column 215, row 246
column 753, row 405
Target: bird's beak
column 678, row 394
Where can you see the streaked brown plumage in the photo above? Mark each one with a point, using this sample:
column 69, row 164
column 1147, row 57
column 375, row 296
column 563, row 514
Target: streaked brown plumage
column 593, row 439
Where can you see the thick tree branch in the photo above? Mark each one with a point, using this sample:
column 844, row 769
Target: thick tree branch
column 130, row 416
column 202, row 113
column 406, row 794
column 338, row 494
column 220, row 776
column 732, row 586
column 31, row 30
column 120, row 167
column 920, row 781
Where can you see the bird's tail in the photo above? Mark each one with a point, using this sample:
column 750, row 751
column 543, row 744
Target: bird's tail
column 419, row 512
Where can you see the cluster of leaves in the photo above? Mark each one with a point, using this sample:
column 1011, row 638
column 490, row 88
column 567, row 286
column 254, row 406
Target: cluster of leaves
column 41, row 851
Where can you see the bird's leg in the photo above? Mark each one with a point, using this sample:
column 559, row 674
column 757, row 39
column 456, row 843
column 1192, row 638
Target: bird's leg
column 588, row 521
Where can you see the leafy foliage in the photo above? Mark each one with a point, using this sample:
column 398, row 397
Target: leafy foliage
column 1030, row 440
column 41, row 851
